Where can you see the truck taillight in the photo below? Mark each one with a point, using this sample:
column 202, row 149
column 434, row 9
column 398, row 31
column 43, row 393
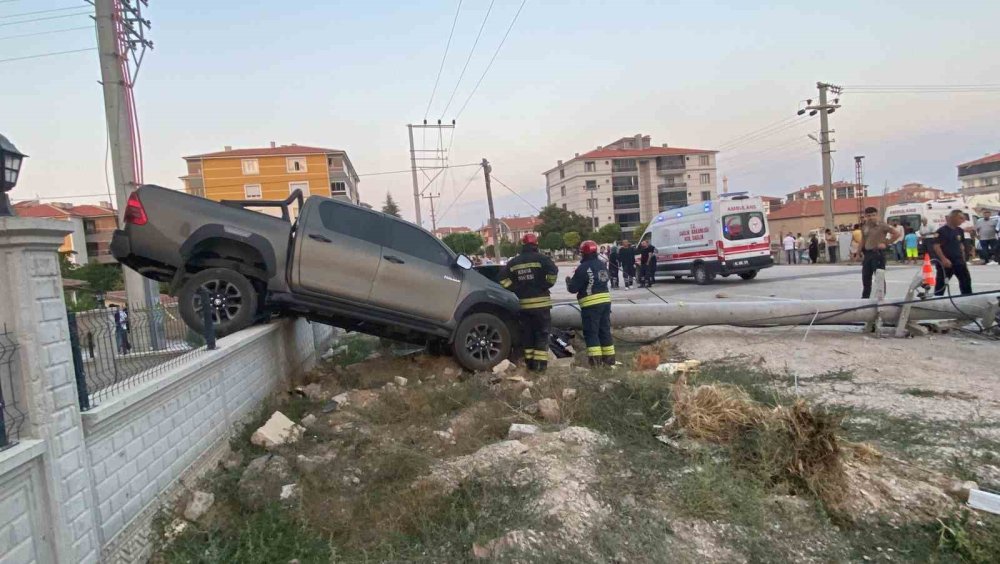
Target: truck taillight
column 135, row 214
column 720, row 250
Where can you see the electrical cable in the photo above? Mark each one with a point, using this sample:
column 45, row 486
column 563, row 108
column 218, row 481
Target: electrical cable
column 408, row 170
column 443, row 58
column 783, row 125
column 758, row 130
column 8, row 16
column 46, row 32
column 52, row 54
column 471, row 52
column 87, row 13
column 511, row 190
column 493, row 58
column 460, row 192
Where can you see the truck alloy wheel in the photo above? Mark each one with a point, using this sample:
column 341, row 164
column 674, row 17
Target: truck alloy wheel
column 481, row 341
column 232, row 300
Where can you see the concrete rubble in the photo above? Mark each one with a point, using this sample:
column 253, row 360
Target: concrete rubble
column 548, row 408
column 521, row 430
column 400, row 381
column 262, row 481
column 199, row 505
column 503, row 366
column 279, row 430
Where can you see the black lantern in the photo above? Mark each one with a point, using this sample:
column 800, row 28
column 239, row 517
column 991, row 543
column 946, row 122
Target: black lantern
column 10, row 167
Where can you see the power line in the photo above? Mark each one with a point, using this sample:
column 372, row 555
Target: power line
column 87, row 13
column 511, row 190
column 756, row 131
column 47, row 55
column 90, row 27
column 780, row 127
column 495, row 53
column 460, row 192
column 471, row 52
column 443, row 58
column 408, row 170
column 8, row 16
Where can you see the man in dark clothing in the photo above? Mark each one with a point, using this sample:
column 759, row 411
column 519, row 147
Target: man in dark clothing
column 647, row 260
column 876, row 236
column 613, row 265
column 626, row 257
column 950, row 253
column 530, row 275
column 590, row 284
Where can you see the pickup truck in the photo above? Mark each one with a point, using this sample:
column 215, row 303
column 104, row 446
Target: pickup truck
column 336, row 263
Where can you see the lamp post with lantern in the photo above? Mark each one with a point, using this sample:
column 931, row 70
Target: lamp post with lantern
column 10, row 169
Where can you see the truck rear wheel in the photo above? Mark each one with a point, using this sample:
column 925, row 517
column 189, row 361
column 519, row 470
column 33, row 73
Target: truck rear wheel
column 701, row 275
column 232, row 300
column 482, row 340
column 748, row 275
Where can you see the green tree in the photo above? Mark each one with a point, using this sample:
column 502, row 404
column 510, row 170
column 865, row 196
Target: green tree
column 464, row 243
column 390, row 207
column 99, row 277
column 572, row 240
column 551, row 241
column 507, row 248
column 557, row 220
column 608, row 233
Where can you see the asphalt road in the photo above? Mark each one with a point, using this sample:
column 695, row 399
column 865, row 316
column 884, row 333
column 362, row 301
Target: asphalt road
column 795, row 282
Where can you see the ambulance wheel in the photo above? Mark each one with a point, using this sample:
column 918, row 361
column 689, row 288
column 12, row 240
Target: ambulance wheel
column 748, row 275
column 701, row 275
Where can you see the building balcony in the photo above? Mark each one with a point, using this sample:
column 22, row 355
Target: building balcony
column 666, row 170
column 668, row 187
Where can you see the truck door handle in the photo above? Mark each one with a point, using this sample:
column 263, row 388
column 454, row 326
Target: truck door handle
column 394, row 259
column 320, row 238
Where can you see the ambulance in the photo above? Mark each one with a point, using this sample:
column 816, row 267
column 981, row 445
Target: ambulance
column 934, row 211
column 712, row 238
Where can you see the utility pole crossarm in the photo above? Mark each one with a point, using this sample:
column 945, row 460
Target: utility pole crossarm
column 824, row 109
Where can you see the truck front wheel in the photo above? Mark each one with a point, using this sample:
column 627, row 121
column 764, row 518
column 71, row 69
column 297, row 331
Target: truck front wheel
column 482, row 340
column 232, row 300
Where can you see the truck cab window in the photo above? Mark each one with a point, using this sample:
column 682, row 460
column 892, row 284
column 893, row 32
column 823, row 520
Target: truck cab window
column 417, row 243
column 353, row 222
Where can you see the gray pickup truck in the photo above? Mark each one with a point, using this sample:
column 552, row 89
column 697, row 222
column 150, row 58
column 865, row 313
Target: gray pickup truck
column 337, row 263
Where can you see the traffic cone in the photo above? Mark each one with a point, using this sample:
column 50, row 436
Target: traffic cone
column 930, row 276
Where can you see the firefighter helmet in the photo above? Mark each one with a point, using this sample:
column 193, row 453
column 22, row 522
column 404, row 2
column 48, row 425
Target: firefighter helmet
column 529, row 239
column 588, row 247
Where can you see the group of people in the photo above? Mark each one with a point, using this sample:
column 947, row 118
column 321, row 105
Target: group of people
column 795, row 246
column 621, row 257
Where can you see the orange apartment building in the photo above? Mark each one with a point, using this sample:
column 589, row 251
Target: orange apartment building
column 271, row 173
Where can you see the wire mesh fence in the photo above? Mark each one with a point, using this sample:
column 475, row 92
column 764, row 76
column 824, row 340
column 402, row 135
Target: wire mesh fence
column 12, row 415
column 115, row 349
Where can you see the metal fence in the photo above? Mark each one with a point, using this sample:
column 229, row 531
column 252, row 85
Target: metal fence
column 115, row 349
column 11, row 414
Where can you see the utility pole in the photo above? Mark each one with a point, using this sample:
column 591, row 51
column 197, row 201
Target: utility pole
column 825, row 109
column 121, row 44
column 489, row 199
column 440, row 157
column 432, row 197
column 592, row 204
column 859, row 185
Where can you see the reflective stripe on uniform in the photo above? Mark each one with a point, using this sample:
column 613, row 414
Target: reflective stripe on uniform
column 594, row 351
column 608, row 351
column 541, row 355
column 594, row 299
column 551, row 278
column 526, row 265
column 529, row 354
column 506, row 283
column 532, row 303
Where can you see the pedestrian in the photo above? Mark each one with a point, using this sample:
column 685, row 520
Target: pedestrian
column 911, row 242
column 856, row 242
column 90, row 344
column 877, row 235
column 831, row 245
column 986, row 228
column 647, row 259
column 813, row 248
column 626, row 257
column 530, row 275
column 898, row 250
column 788, row 243
column 927, row 233
column 801, row 247
column 613, row 265
column 590, row 284
column 950, row 254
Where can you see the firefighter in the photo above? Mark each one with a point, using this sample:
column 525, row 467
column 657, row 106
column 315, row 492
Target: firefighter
column 590, row 283
column 530, row 275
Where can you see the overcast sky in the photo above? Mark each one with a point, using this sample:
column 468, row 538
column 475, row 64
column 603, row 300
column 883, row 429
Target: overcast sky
column 571, row 76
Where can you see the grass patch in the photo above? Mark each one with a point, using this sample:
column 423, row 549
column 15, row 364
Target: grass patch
column 839, row 375
column 925, row 393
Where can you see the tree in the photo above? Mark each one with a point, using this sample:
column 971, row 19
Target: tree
column 551, row 241
column 572, row 240
column 637, row 232
column 507, row 248
column 608, row 233
column 390, row 207
column 99, row 277
column 557, row 220
column 464, row 243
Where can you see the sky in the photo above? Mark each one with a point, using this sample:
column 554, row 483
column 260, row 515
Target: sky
column 571, row 76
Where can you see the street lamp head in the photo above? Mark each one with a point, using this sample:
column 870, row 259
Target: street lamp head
column 10, row 168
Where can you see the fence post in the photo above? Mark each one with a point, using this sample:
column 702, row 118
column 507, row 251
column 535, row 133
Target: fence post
column 207, row 320
column 81, row 377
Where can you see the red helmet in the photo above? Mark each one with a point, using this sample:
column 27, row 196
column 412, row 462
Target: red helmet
column 588, row 247
column 529, row 239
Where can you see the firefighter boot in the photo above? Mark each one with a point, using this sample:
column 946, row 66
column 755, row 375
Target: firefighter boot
column 609, row 360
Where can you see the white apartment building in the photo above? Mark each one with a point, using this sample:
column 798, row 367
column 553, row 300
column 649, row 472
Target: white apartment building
column 628, row 181
column 981, row 176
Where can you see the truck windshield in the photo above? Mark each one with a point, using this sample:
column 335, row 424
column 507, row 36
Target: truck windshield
column 739, row 226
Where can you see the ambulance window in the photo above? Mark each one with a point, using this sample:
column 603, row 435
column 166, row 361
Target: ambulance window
column 647, row 237
column 740, row 226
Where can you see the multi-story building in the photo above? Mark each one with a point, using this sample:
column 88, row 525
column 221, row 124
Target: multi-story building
column 981, row 176
column 271, row 173
column 510, row 229
column 771, row 203
column 92, row 227
column 841, row 190
column 629, row 181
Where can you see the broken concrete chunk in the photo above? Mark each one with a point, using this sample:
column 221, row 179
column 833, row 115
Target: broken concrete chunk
column 568, row 394
column 526, row 393
column 199, row 505
column 341, row 399
column 288, row 491
column 503, row 366
column 672, row 368
column 566, row 362
column 308, row 420
column 175, row 529
column 313, row 392
column 262, row 480
column 279, row 430
column 400, row 381
column 450, row 372
column 548, row 408
column 334, row 352
column 521, row 430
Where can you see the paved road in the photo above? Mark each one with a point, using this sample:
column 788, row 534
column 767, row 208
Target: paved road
column 797, row 282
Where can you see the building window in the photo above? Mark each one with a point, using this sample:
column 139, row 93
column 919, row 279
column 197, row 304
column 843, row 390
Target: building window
column 562, row 191
column 670, row 200
column 592, row 185
column 338, row 187
column 251, row 191
column 627, row 201
column 624, row 165
column 628, row 219
column 589, row 166
column 706, row 178
column 706, row 195
column 702, row 160
column 295, row 164
column 624, row 183
column 251, row 166
column 562, row 173
column 593, row 204
column 564, row 206
column 597, row 223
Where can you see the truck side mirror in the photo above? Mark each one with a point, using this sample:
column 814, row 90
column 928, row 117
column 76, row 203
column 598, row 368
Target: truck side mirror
column 463, row 262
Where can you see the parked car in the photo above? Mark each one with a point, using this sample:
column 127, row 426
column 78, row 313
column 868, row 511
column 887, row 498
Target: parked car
column 337, row 263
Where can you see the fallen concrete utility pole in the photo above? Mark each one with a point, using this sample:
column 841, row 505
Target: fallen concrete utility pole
column 805, row 312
